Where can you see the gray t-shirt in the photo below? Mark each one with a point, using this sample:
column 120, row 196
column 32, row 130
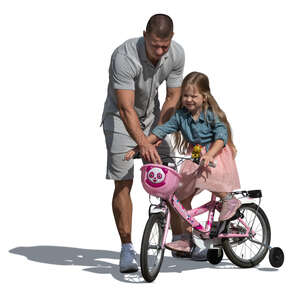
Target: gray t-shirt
column 130, row 69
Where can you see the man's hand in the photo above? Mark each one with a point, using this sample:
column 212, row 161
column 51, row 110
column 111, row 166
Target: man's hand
column 148, row 152
column 130, row 154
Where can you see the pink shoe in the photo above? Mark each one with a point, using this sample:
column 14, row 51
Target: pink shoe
column 229, row 209
column 180, row 245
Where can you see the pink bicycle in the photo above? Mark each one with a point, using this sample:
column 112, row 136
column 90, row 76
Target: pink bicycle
column 245, row 238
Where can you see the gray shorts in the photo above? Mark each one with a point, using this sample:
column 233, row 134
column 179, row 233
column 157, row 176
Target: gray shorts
column 117, row 145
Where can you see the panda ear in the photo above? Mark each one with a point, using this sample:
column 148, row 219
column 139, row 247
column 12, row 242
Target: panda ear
column 148, row 168
column 165, row 170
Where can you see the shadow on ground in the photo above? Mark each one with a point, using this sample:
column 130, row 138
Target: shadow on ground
column 106, row 261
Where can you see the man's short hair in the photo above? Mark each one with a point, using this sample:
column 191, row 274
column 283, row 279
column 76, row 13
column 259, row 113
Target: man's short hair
column 161, row 25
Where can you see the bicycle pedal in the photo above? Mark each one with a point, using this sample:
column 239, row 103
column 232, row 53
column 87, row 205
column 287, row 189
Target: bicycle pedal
column 218, row 230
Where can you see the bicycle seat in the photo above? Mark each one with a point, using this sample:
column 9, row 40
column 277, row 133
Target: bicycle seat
column 254, row 193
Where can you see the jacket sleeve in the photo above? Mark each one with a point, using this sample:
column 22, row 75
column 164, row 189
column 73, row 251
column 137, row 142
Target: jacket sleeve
column 122, row 73
column 170, row 126
column 176, row 75
column 220, row 130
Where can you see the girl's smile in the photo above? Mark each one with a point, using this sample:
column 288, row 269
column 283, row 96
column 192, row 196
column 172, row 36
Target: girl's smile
column 192, row 100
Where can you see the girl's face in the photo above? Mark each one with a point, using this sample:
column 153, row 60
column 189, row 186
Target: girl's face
column 192, row 99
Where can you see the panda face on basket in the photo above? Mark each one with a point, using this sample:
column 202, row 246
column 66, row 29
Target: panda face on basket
column 156, row 176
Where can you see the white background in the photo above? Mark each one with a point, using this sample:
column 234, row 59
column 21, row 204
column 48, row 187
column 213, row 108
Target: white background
column 56, row 217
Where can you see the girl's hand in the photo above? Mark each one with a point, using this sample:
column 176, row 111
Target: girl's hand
column 158, row 143
column 207, row 158
column 130, row 154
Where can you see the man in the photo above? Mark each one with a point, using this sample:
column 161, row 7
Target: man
column 132, row 109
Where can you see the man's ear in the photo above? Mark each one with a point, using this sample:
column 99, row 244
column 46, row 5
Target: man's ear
column 144, row 34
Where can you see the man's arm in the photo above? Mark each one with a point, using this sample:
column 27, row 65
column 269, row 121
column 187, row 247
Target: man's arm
column 169, row 106
column 125, row 99
column 173, row 82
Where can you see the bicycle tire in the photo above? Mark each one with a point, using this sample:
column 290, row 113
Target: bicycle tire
column 230, row 243
column 150, row 264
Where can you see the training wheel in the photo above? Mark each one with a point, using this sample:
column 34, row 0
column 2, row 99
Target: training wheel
column 215, row 256
column 276, row 257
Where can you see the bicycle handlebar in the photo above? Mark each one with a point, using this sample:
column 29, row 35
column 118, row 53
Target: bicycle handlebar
column 210, row 164
column 197, row 160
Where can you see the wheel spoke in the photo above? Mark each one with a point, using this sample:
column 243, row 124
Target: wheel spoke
column 152, row 252
column 242, row 251
column 250, row 248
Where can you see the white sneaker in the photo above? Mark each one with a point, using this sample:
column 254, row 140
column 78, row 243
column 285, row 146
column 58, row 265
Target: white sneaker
column 128, row 262
column 199, row 254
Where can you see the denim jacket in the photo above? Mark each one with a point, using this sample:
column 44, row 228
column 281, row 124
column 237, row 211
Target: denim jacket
column 203, row 131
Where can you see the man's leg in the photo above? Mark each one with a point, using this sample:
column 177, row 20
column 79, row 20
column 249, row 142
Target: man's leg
column 122, row 173
column 122, row 209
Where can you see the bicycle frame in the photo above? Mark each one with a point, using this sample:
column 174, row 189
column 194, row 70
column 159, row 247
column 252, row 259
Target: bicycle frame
column 167, row 186
column 190, row 215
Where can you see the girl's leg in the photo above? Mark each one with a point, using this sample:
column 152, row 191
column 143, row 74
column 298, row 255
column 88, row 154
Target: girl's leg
column 182, row 244
column 176, row 221
column 229, row 207
column 178, row 224
column 182, row 231
column 187, row 204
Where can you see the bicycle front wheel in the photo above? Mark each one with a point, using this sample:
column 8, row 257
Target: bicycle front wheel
column 152, row 253
column 247, row 252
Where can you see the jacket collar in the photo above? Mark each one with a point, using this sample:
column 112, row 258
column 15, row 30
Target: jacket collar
column 190, row 118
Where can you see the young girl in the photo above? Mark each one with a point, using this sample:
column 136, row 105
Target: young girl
column 200, row 120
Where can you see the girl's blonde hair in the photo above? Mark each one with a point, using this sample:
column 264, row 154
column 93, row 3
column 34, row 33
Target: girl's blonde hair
column 201, row 82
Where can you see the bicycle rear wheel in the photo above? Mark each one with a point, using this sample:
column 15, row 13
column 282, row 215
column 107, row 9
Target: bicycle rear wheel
column 243, row 251
column 152, row 253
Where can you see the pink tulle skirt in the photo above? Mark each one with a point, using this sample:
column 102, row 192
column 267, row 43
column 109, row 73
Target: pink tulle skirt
column 223, row 178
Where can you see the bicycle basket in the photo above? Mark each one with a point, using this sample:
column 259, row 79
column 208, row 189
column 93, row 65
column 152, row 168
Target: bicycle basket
column 159, row 180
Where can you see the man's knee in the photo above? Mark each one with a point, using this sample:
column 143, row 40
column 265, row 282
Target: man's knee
column 123, row 186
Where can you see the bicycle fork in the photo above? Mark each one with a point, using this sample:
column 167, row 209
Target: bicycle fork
column 166, row 228
column 166, row 220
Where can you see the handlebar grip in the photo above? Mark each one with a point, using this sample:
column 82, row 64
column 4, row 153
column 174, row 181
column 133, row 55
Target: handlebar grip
column 210, row 164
